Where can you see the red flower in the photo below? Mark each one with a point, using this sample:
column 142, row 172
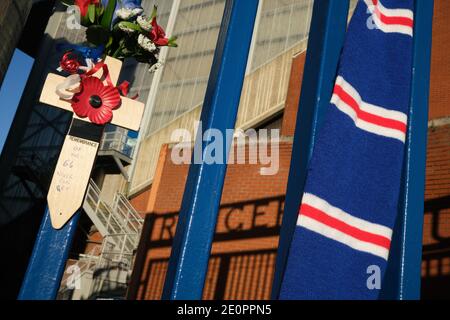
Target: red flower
column 84, row 4
column 96, row 101
column 158, row 35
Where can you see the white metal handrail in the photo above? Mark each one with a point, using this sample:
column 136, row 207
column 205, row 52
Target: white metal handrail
column 86, row 263
column 120, row 226
column 121, row 229
column 112, row 223
column 123, row 207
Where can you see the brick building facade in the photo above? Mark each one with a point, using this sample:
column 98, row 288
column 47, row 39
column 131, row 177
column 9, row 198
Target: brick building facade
column 244, row 250
column 436, row 241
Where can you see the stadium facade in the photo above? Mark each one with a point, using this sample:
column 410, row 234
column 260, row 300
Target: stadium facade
column 129, row 217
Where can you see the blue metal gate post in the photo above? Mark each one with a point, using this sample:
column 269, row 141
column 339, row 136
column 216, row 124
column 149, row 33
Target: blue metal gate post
column 403, row 275
column 326, row 39
column 47, row 262
column 198, row 216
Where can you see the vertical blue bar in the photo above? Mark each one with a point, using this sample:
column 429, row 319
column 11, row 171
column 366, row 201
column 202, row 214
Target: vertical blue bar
column 11, row 91
column 326, row 39
column 198, row 216
column 47, row 262
column 403, row 275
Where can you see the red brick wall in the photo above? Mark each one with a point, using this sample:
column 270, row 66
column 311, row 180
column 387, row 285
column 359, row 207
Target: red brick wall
column 438, row 162
column 243, row 253
column 140, row 201
column 293, row 95
column 436, row 238
column 440, row 63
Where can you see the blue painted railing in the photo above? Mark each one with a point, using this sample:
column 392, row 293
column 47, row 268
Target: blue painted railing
column 47, row 263
column 11, row 91
column 402, row 281
column 197, row 222
column 192, row 245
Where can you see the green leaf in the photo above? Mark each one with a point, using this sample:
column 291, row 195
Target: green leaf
column 99, row 11
column 154, row 12
column 97, row 35
column 110, row 42
column 109, row 14
column 172, row 42
column 91, row 13
column 130, row 25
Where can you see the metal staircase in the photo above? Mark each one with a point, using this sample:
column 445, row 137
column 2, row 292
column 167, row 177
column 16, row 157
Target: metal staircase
column 106, row 271
column 120, row 219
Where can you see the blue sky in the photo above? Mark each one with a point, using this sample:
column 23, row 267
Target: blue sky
column 11, row 91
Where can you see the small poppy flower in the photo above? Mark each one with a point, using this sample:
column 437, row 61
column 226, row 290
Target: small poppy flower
column 84, row 5
column 96, row 101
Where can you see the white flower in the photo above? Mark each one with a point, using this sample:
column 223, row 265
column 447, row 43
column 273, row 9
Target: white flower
column 137, row 11
column 146, row 43
column 145, row 23
column 127, row 14
column 156, row 66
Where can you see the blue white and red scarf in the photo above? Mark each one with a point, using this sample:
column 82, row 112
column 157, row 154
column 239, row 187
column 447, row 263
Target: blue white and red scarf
column 351, row 195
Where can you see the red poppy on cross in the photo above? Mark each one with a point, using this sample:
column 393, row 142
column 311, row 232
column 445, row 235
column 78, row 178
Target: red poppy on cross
column 98, row 103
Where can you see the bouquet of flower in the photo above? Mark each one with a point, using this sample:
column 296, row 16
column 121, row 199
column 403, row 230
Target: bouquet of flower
column 121, row 29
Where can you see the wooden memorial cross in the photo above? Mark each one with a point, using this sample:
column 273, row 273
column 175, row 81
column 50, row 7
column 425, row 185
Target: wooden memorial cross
column 73, row 170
